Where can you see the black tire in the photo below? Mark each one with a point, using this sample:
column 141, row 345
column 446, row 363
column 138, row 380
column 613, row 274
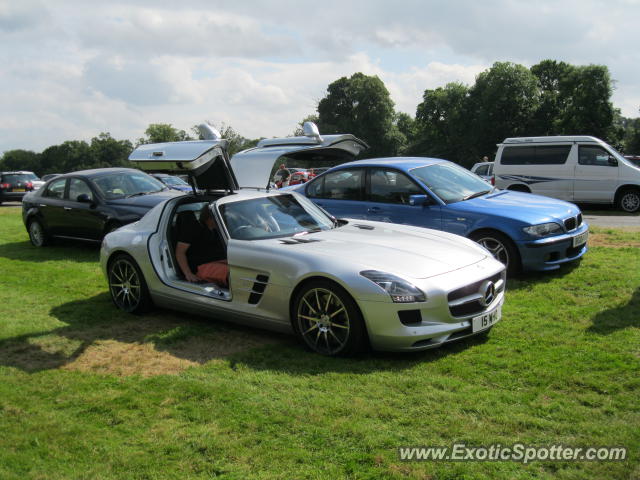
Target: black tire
column 629, row 200
column 127, row 285
column 501, row 247
column 38, row 235
column 327, row 319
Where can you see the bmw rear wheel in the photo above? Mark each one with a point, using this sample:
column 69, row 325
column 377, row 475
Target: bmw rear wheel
column 127, row 285
column 328, row 320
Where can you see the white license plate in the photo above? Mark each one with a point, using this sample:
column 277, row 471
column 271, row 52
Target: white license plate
column 482, row 322
column 580, row 239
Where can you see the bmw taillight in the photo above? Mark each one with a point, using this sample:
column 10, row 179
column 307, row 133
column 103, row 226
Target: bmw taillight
column 29, row 186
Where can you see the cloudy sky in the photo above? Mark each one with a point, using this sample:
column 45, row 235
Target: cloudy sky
column 72, row 69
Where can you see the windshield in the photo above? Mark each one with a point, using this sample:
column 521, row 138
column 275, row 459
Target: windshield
column 451, row 182
column 273, row 217
column 126, row 184
column 175, row 181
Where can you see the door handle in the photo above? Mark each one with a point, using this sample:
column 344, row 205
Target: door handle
column 373, row 210
column 68, row 208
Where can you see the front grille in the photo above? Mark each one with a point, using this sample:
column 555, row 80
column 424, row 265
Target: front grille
column 572, row 223
column 469, row 300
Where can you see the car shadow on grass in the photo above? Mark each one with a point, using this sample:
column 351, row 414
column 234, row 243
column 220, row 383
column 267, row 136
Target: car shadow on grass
column 101, row 339
column 614, row 319
column 72, row 251
column 524, row 280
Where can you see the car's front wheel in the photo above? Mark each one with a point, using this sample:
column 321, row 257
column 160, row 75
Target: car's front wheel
column 127, row 286
column 328, row 320
column 38, row 236
column 501, row 247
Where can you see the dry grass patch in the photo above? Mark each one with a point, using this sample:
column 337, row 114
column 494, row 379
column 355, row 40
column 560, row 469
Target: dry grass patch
column 154, row 345
column 612, row 239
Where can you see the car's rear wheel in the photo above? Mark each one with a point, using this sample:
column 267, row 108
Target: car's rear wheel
column 328, row 320
column 37, row 234
column 629, row 200
column 501, row 247
column 127, row 286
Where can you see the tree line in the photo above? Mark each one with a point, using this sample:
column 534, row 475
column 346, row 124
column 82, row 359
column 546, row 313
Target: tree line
column 458, row 122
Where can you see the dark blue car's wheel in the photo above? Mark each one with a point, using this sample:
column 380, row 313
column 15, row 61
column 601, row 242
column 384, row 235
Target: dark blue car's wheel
column 501, row 247
column 127, row 285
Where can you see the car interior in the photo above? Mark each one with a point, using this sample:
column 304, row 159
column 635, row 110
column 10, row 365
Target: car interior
column 186, row 213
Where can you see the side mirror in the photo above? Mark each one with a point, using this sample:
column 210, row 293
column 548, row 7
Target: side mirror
column 612, row 161
column 83, row 198
column 418, row 200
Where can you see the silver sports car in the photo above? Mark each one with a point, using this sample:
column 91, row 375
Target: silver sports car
column 338, row 284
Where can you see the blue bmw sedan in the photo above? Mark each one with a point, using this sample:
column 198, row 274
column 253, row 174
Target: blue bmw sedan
column 523, row 231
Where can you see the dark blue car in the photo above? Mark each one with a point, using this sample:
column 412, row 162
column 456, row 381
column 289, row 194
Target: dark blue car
column 523, row 231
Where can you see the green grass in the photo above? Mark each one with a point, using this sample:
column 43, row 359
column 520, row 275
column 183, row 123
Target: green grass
column 89, row 392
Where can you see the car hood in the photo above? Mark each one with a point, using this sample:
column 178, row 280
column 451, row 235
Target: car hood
column 145, row 201
column 525, row 207
column 417, row 252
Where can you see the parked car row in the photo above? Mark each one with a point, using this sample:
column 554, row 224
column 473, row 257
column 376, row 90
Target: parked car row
column 399, row 253
column 339, row 284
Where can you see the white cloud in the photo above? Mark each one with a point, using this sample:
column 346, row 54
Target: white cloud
column 73, row 69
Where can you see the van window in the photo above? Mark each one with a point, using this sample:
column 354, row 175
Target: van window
column 529, row 155
column 593, row 155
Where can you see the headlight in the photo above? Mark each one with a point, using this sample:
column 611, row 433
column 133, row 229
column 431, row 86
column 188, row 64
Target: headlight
column 400, row 290
column 544, row 230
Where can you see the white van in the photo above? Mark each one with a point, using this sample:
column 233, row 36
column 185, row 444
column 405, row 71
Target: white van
column 574, row 168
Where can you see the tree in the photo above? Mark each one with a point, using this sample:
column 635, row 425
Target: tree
column 587, row 108
column 163, row 132
column 21, row 160
column 106, row 151
column 442, row 121
column 361, row 105
column 631, row 142
column 503, row 102
column 550, row 75
column 67, row 157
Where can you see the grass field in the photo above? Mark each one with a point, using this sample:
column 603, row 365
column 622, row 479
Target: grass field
column 89, row 392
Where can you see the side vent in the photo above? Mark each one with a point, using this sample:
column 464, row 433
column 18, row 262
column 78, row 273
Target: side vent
column 258, row 289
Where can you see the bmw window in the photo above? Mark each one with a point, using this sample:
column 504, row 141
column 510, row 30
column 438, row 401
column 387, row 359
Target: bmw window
column 338, row 185
column 391, row 186
column 450, row 182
